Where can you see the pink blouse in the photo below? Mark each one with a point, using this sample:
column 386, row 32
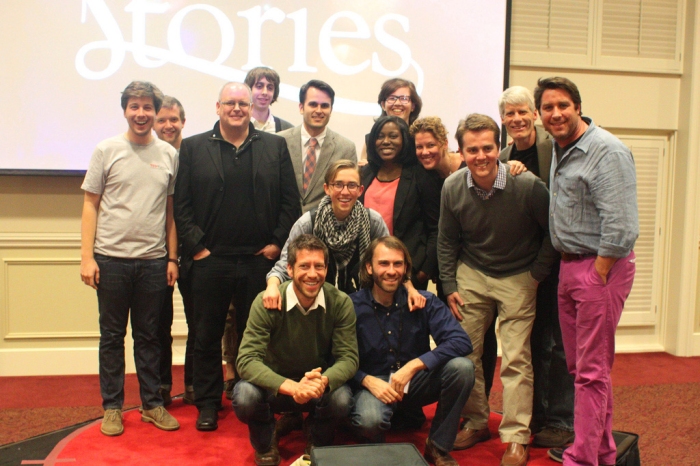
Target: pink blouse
column 380, row 196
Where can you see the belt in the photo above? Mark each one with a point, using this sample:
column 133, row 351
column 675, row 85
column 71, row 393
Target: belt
column 566, row 257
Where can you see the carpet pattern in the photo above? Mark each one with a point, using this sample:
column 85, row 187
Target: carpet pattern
column 656, row 396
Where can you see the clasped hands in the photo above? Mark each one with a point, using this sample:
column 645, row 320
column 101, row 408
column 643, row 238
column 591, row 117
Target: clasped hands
column 311, row 386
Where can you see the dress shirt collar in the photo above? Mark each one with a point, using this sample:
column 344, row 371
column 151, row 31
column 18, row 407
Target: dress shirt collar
column 500, row 182
column 584, row 142
column 293, row 301
column 267, row 126
column 305, row 136
column 400, row 298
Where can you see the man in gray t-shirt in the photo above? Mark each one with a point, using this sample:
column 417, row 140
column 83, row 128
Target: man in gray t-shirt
column 127, row 221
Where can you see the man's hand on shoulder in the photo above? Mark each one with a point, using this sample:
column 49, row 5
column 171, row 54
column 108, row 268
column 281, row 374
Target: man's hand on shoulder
column 516, row 167
column 381, row 390
column 415, row 299
column 272, row 299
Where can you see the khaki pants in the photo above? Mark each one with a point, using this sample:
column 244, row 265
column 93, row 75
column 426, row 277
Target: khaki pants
column 514, row 299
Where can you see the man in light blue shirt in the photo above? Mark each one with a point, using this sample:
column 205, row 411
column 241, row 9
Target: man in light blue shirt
column 593, row 223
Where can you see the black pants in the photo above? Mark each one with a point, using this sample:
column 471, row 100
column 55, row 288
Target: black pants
column 215, row 281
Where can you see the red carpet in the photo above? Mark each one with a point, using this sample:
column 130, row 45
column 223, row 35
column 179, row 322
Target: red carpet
column 143, row 444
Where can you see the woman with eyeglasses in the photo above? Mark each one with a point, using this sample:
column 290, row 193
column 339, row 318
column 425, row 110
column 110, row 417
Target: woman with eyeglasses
column 403, row 192
column 345, row 226
column 397, row 97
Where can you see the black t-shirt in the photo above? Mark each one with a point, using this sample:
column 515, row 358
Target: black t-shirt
column 527, row 157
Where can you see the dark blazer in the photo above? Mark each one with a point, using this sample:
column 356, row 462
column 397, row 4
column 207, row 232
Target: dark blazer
column 199, row 189
column 416, row 214
column 281, row 125
column 544, row 153
column 335, row 147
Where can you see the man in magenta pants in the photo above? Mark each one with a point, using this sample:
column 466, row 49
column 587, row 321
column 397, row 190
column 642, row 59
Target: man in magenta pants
column 593, row 223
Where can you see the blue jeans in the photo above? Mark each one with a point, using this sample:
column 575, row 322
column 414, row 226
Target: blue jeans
column 553, row 399
column 256, row 406
column 449, row 385
column 139, row 286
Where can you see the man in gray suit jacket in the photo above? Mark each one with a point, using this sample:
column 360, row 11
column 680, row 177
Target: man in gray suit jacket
column 312, row 145
column 553, row 404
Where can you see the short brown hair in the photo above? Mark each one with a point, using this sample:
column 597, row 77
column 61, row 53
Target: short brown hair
column 342, row 164
column 432, row 125
column 477, row 122
column 308, row 243
column 557, row 82
column 389, row 242
column 256, row 74
column 137, row 89
column 390, row 85
column 170, row 102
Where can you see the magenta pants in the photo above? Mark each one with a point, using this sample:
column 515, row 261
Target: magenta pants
column 589, row 312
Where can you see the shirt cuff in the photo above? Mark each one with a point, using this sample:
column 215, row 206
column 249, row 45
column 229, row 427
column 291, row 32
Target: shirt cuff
column 429, row 359
column 613, row 250
column 359, row 377
column 449, row 287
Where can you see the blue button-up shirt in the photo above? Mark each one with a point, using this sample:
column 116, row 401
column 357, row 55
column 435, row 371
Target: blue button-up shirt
column 376, row 355
column 593, row 203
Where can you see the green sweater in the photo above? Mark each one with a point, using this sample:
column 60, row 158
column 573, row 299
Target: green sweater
column 279, row 345
column 502, row 236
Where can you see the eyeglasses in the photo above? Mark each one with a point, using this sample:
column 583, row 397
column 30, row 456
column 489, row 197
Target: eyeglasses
column 405, row 99
column 232, row 104
column 339, row 185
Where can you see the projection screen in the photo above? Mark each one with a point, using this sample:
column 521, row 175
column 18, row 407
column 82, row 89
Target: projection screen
column 65, row 63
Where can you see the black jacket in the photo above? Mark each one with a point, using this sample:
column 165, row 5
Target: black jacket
column 199, row 189
column 416, row 214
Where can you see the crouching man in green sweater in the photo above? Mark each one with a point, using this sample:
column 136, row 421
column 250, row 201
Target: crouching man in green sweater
column 298, row 359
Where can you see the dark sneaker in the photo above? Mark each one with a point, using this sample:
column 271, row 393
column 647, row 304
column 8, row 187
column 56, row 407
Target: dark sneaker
column 112, row 423
column 553, row 437
column 160, row 418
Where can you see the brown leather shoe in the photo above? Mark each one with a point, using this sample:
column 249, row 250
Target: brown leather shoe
column 436, row 456
column 516, row 455
column 467, row 438
column 270, row 458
